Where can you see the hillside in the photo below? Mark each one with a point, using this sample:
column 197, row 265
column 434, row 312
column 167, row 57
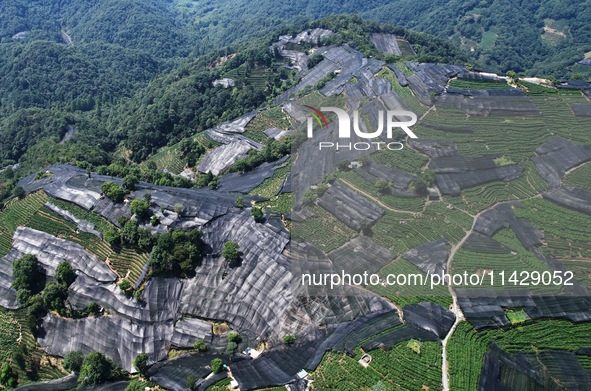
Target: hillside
column 190, row 241
column 535, row 37
column 124, row 101
column 86, row 62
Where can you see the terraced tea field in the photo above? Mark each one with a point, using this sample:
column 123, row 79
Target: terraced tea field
column 267, row 119
column 478, row 198
column 315, row 230
column 407, row 160
column 410, row 293
column 478, row 85
column 387, row 370
column 168, row 158
column 519, row 259
column 405, row 93
column 16, row 213
column 32, row 213
column 19, row 347
column 270, row 186
column 467, row 347
column 369, row 191
column 566, row 232
column 400, row 233
column 580, row 177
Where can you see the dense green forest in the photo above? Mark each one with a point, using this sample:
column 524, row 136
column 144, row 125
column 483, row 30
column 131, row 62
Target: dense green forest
column 536, row 35
column 49, row 75
column 116, row 99
column 152, row 26
column 541, row 37
column 122, row 78
column 184, row 101
column 505, row 35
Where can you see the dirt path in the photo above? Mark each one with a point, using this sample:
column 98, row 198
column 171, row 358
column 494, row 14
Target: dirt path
column 374, row 199
column 427, row 112
column 455, row 306
column 66, row 38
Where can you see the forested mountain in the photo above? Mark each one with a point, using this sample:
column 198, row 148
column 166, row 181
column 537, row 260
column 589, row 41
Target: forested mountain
column 152, row 26
column 184, row 101
column 106, row 105
column 532, row 36
column 48, row 74
column 136, row 76
column 114, row 101
column 537, row 36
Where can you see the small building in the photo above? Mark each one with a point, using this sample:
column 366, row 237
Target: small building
column 253, row 353
column 365, row 360
column 302, row 374
column 225, row 82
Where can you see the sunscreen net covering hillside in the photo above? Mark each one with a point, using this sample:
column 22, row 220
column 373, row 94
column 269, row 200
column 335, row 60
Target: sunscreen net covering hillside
column 354, row 198
column 396, row 188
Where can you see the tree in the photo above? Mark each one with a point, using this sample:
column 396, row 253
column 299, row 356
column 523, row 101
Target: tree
column 309, row 197
column 64, row 274
column 257, row 214
column 8, row 377
column 113, row 191
column 125, row 286
column 23, row 297
column 419, row 187
column 129, row 182
column 365, row 227
column 231, row 251
column 234, row 337
column 73, row 361
column 314, row 60
column 54, row 295
column 154, row 221
column 231, row 348
column 191, row 381
column 240, row 166
column 130, row 232
column 343, row 165
column 177, row 251
column 428, row 177
column 36, row 306
column 289, row 339
column 178, row 208
column 392, row 58
column 383, row 186
column 199, row 345
column 145, row 239
column 239, row 202
column 140, row 362
column 122, row 220
column 138, row 385
column 140, row 208
column 28, row 276
column 217, row 365
column 18, row 192
column 92, row 309
column 96, row 369
column 112, row 237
